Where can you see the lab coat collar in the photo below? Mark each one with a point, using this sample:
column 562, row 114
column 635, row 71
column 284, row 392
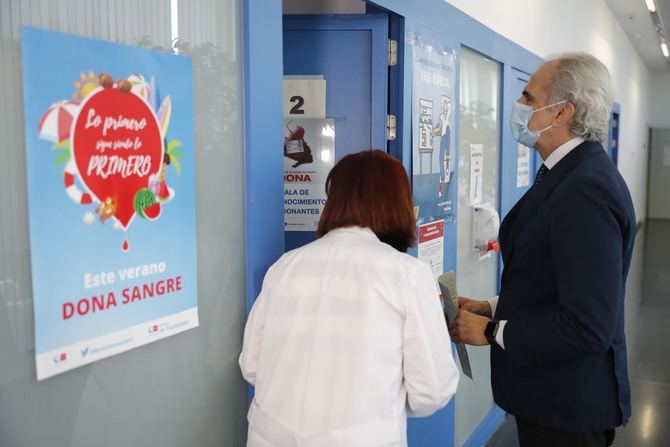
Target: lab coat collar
column 359, row 231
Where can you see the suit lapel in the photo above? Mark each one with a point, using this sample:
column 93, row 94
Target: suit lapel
column 525, row 209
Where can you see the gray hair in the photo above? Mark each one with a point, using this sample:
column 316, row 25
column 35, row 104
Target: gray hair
column 584, row 81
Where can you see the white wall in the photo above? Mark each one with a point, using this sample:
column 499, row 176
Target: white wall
column 549, row 26
column 660, row 101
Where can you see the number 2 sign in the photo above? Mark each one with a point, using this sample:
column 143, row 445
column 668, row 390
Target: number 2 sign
column 304, row 97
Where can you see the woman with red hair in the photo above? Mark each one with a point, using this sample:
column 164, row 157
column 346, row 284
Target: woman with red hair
column 347, row 336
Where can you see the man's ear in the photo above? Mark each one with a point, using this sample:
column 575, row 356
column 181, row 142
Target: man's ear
column 565, row 115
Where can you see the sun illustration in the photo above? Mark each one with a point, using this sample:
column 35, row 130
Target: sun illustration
column 86, row 85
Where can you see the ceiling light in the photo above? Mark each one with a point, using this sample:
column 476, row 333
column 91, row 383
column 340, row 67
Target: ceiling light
column 664, row 49
column 651, row 5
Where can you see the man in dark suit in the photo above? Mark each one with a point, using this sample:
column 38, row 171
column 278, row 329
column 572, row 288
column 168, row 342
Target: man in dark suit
column 558, row 350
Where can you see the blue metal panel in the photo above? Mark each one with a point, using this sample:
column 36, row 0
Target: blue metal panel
column 350, row 52
column 264, row 162
column 450, row 27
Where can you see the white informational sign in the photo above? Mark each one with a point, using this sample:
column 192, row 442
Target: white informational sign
column 666, row 155
column 476, row 173
column 431, row 246
column 309, row 154
column 523, row 166
column 304, row 97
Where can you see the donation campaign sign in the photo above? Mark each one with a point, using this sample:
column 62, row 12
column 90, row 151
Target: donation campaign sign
column 111, row 192
column 309, row 155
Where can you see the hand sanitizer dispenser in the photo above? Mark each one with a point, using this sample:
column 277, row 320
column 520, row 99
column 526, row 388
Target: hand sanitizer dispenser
column 485, row 226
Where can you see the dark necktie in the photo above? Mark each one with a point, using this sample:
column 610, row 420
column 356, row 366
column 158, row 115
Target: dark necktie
column 540, row 173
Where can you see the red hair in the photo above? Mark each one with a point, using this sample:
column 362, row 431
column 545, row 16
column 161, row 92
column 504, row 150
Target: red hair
column 370, row 189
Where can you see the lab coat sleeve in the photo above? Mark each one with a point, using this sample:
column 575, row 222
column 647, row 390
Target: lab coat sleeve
column 430, row 374
column 253, row 333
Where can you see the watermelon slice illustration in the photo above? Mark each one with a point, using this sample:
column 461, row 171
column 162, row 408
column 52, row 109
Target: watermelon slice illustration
column 146, row 205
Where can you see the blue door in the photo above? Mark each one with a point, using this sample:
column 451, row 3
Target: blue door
column 613, row 143
column 350, row 52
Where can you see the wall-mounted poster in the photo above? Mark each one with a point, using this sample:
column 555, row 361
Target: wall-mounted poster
column 111, row 192
column 433, row 107
column 309, row 155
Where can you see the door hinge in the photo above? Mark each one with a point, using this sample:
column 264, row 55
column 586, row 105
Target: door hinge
column 390, row 127
column 393, row 52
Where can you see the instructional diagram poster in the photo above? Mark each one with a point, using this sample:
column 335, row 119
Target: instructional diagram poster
column 309, row 153
column 433, row 109
column 111, row 192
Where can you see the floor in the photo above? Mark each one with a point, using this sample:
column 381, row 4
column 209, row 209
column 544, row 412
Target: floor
column 648, row 336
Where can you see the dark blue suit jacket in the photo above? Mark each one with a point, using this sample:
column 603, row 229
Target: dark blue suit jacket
column 566, row 247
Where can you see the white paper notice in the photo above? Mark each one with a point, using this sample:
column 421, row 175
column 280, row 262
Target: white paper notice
column 304, row 98
column 447, row 282
column 523, row 166
column 476, row 173
column 431, row 246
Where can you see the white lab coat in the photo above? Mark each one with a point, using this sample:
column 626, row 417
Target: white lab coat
column 346, row 338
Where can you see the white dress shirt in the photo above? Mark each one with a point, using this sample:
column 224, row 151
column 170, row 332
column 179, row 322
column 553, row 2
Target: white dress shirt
column 346, row 338
column 551, row 161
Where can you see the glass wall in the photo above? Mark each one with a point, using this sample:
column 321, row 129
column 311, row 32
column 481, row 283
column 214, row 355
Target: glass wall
column 182, row 391
column 480, row 81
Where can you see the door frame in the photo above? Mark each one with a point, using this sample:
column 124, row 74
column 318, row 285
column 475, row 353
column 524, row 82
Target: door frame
column 613, row 151
column 263, row 132
column 377, row 27
column 379, row 65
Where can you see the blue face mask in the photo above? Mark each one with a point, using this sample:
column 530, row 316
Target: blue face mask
column 519, row 121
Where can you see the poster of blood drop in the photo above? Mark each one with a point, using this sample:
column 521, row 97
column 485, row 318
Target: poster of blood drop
column 110, row 163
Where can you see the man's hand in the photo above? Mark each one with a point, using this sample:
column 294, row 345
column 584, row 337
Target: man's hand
column 474, row 306
column 469, row 328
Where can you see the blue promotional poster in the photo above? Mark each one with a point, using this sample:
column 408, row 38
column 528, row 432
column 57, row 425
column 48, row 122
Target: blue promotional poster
column 433, row 109
column 111, row 192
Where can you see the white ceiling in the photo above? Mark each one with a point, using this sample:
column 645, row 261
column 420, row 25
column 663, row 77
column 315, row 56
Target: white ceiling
column 638, row 25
